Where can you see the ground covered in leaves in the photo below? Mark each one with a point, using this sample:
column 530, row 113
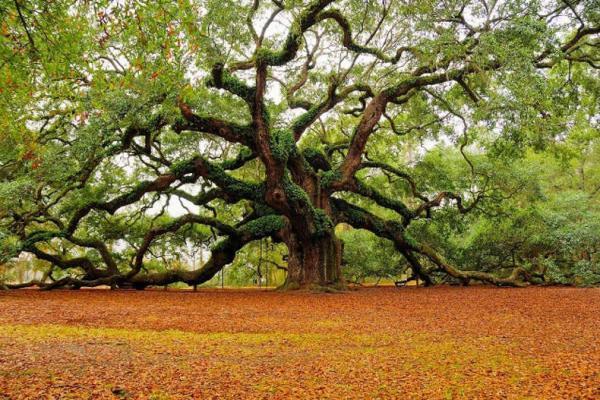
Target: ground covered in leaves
column 439, row 343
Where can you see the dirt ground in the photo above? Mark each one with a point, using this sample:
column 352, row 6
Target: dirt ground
column 388, row 343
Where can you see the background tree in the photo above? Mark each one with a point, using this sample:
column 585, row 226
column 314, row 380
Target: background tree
column 276, row 119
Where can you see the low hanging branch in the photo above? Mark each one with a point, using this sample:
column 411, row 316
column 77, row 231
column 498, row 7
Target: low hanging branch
column 360, row 218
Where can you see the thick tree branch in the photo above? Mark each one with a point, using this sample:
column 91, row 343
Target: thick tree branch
column 350, row 44
column 360, row 218
column 229, row 131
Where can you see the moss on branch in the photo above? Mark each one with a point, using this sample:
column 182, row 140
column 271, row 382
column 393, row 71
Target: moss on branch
column 222, row 79
column 329, row 177
column 282, row 144
column 263, row 226
column 293, row 41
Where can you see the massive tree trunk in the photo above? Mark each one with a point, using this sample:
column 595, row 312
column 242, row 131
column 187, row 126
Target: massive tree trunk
column 314, row 263
column 314, row 251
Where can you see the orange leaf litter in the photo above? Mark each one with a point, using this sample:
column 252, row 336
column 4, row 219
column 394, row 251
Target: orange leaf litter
column 378, row 343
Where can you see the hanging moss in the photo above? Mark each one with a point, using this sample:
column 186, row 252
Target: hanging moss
column 393, row 204
column 355, row 217
column 244, row 155
column 217, row 174
column 262, row 209
column 266, row 116
column 306, row 118
column 328, row 177
column 253, row 191
column 41, row 236
column 293, row 40
column 224, row 80
column 395, row 226
column 294, row 192
column 233, row 186
column 316, row 159
column 292, row 44
column 379, row 227
column 263, row 226
column 323, row 223
column 181, row 168
column 282, row 144
column 307, row 165
column 312, row 153
column 410, row 240
column 267, row 56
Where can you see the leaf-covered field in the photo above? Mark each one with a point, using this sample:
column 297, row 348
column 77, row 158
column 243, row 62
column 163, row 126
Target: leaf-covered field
column 440, row 343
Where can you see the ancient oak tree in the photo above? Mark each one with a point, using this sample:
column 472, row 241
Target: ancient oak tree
column 263, row 119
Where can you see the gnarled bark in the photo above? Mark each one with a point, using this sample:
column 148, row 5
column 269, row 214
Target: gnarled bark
column 314, row 263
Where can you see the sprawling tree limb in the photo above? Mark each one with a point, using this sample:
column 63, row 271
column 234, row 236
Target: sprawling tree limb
column 223, row 253
column 197, row 166
column 306, row 19
column 300, row 124
column 350, row 44
column 360, row 218
column 226, row 130
column 391, row 230
column 401, row 174
column 518, row 277
column 441, row 196
column 172, row 227
column 362, row 189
